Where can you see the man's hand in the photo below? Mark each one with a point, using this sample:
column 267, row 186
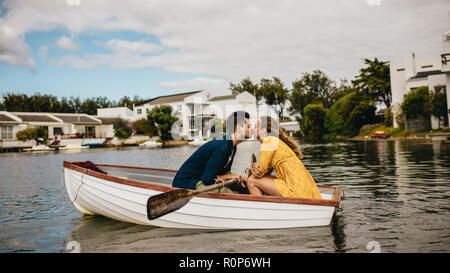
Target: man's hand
column 228, row 176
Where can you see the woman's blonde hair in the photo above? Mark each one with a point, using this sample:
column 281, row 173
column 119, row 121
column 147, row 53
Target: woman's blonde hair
column 272, row 128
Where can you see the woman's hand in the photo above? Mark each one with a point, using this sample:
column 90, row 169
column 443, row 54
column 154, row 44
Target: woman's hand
column 255, row 170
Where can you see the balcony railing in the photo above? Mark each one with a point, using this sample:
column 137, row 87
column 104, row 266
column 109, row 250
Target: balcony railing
column 205, row 115
column 445, row 58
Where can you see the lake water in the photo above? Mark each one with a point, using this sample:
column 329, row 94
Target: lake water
column 396, row 200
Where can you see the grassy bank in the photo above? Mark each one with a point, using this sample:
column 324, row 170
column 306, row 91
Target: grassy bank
column 398, row 133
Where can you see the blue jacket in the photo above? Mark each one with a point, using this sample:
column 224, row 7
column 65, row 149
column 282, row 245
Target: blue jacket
column 211, row 159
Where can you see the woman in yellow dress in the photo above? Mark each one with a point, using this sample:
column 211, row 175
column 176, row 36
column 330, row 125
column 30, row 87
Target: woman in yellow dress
column 280, row 153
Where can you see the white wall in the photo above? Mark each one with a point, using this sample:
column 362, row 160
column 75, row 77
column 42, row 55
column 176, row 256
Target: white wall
column 398, row 86
column 123, row 112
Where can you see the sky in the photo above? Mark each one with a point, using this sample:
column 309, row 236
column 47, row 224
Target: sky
column 150, row 48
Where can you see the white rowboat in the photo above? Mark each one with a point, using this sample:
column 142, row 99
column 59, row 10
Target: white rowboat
column 150, row 144
column 39, row 148
column 123, row 192
column 74, row 146
column 197, row 142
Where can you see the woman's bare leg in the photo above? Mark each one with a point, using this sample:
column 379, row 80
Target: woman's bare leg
column 265, row 184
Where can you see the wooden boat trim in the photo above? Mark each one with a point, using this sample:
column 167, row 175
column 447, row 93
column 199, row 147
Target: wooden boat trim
column 139, row 168
column 243, row 197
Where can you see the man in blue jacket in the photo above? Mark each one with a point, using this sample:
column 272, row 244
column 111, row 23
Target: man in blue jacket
column 213, row 160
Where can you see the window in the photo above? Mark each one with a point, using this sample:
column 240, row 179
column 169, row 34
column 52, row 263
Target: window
column 139, row 111
column 427, row 66
column 57, row 131
column 7, row 132
column 89, row 131
column 400, row 69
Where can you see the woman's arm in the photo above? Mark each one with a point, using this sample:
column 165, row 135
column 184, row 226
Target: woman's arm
column 264, row 165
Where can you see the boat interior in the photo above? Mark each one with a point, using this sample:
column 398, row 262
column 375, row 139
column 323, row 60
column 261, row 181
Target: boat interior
column 165, row 177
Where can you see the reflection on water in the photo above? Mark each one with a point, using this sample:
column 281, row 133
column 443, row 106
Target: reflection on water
column 396, row 194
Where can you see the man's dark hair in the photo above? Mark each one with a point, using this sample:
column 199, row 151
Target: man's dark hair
column 235, row 119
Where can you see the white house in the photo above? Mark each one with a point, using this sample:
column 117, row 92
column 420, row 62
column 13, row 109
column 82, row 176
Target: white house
column 411, row 73
column 68, row 128
column 198, row 111
column 116, row 112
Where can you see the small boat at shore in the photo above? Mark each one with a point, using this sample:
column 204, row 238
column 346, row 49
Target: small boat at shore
column 121, row 193
column 150, row 144
column 74, row 146
column 39, row 148
column 197, row 142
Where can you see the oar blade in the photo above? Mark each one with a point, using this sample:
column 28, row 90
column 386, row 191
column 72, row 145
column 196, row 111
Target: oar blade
column 164, row 203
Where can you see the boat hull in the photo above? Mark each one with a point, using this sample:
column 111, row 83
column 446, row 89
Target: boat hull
column 125, row 200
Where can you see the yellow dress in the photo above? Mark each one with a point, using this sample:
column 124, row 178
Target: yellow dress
column 292, row 178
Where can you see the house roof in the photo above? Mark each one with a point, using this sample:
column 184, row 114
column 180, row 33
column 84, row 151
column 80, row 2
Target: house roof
column 35, row 117
column 169, row 98
column 76, row 118
column 227, row 97
column 5, row 118
column 424, row 74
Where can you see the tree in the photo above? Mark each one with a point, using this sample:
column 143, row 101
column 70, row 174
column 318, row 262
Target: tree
column 312, row 88
column 161, row 117
column 49, row 103
column 15, row 103
column 389, row 117
column 75, row 104
column 38, row 134
column 89, row 106
column 313, row 121
column 416, row 103
column 121, row 133
column 143, row 126
column 374, row 81
column 245, row 85
column 438, row 104
column 348, row 115
column 274, row 93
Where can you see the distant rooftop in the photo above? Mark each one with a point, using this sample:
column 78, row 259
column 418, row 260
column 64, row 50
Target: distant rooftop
column 76, row 118
column 424, row 74
column 5, row 118
column 35, row 117
column 227, row 97
column 169, row 98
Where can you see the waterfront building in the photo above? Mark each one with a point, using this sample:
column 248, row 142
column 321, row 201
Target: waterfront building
column 116, row 112
column 411, row 73
column 63, row 127
column 198, row 111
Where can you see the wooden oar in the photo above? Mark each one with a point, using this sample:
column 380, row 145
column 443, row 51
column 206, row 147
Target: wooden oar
column 161, row 204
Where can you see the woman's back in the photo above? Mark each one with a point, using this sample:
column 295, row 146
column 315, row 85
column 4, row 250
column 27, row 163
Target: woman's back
column 292, row 178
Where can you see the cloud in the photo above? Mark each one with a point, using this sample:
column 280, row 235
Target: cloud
column 132, row 47
column 232, row 39
column 67, row 43
column 13, row 49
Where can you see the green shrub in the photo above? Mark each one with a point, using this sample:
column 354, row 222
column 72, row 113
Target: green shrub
column 161, row 117
column 38, row 134
column 313, row 121
column 121, row 133
column 388, row 117
column 348, row 115
column 27, row 134
column 416, row 104
column 143, row 127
